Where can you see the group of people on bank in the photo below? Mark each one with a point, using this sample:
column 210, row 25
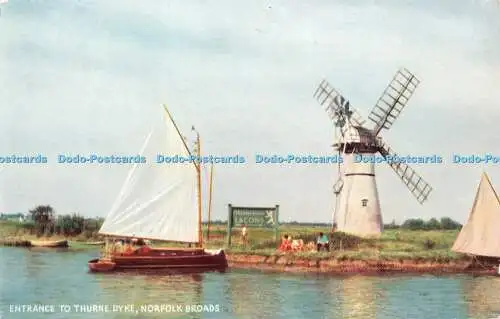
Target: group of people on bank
column 289, row 244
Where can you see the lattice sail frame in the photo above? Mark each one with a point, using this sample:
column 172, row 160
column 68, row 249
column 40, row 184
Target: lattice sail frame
column 392, row 102
column 330, row 98
column 419, row 188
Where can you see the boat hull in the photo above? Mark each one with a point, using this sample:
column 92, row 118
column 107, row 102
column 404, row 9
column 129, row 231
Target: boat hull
column 50, row 244
column 163, row 259
column 95, row 243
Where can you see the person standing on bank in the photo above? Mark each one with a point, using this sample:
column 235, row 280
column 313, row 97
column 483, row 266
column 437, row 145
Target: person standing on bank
column 244, row 234
column 322, row 242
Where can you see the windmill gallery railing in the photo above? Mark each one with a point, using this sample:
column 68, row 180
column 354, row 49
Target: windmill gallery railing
column 252, row 217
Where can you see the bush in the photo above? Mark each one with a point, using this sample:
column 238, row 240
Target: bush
column 267, row 244
column 340, row 240
column 432, row 224
column 429, row 244
column 448, row 223
column 392, row 225
column 44, row 222
column 69, row 225
column 414, row 224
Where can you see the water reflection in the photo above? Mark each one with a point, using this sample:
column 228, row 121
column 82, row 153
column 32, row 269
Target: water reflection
column 251, row 298
column 358, row 297
column 149, row 288
column 482, row 295
column 63, row 278
column 34, row 263
column 310, row 296
column 148, row 292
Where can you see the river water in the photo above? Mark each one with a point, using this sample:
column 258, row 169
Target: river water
column 60, row 278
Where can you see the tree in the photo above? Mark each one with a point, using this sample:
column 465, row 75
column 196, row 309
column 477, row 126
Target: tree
column 43, row 216
column 392, row 225
column 413, row 224
column 433, row 224
column 448, row 223
column 70, row 225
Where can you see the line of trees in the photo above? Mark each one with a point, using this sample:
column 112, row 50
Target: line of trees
column 44, row 221
column 445, row 223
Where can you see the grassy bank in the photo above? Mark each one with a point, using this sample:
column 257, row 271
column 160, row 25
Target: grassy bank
column 418, row 245
column 15, row 235
column 393, row 245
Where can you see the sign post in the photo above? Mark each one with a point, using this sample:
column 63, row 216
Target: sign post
column 252, row 217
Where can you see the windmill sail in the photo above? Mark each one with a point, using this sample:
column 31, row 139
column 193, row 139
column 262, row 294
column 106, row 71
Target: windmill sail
column 479, row 236
column 333, row 101
column 158, row 201
column 414, row 182
column 393, row 100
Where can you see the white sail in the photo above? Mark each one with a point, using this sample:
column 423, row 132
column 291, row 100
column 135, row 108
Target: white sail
column 479, row 236
column 158, row 200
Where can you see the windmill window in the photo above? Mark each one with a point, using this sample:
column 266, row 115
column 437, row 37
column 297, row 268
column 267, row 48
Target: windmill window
column 364, row 202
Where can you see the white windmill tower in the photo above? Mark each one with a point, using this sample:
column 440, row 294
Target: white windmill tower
column 357, row 207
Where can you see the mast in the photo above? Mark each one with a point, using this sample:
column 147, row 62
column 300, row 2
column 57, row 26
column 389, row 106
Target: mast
column 198, row 174
column 210, row 200
column 197, row 167
column 179, row 132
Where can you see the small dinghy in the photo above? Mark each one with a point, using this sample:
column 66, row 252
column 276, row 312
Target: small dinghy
column 95, row 243
column 49, row 243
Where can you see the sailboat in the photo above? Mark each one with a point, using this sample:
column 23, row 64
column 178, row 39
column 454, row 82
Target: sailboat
column 479, row 236
column 161, row 203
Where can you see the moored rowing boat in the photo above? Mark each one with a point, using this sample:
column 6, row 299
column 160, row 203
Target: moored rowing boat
column 49, row 243
column 95, row 243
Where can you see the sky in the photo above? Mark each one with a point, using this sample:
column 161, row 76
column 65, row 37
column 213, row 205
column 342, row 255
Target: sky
column 82, row 77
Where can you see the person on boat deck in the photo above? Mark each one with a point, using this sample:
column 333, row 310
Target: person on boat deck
column 118, row 246
column 286, row 244
column 128, row 249
column 322, row 242
column 244, row 234
column 143, row 248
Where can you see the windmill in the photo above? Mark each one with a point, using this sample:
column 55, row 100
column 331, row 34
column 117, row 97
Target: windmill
column 357, row 207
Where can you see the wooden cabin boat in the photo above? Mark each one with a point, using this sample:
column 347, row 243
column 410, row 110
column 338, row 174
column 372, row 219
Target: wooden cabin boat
column 160, row 203
column 176, row 259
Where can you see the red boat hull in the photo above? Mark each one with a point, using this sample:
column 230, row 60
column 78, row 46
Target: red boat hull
column 175, row 259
